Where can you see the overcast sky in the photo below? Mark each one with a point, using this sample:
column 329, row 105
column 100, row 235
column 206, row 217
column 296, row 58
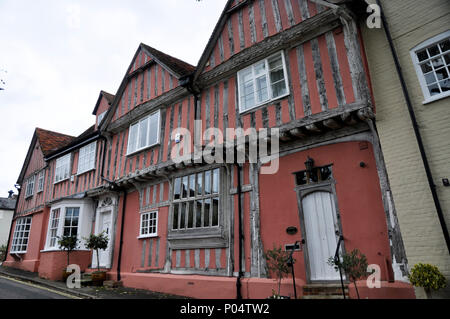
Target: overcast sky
column 56, row 56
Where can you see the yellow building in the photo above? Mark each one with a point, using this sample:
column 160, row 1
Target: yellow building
column 420, row 37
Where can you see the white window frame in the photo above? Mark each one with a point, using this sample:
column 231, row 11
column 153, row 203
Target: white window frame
column 100, row 117
column 84, row 227
column 268, row 83
column 53, row 236
column 424, row 45
column 142, row 227
column 41, row 180
column 30, row 186
column 138, row 149
column 63, row 162
column 21, row 234
column 87, row 154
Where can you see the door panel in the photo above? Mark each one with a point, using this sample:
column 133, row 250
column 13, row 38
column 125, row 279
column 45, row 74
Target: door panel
column 319, row 217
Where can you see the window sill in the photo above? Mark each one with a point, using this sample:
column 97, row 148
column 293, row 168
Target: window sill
column 206, row 238
column 49, row 250
column 147, row 236
column 436, row 98
column 143, row 149
column 261, row 105
column 63, row 180
column 87, row 171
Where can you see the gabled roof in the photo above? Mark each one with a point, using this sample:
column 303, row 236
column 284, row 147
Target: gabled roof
column 49, row 142
column 215, row 35
column 108, row 96
column 176, row 66
column 78, row 141
column 7, row 203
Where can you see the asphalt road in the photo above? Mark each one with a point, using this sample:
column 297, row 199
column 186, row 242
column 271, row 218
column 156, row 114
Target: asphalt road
column 16, row 289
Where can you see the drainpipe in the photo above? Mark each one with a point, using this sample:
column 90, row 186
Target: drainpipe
column 119, row 260
column 12, row 221
column 412, row 115
column 241, row 235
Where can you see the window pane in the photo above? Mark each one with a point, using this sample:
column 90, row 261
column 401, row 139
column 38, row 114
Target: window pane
column 434, row 89
column 207, row 182
column 206, row 212
column 422, row 55
column 191, row 215
column 143, row 129
column 192, row 185
column 447, row 59
column 261, row 89
column 437, row 63
column 199, row 183
column 246, row 88
column 215, row 213
column 182, row 215
column 426, row 67
column 175, row 216
column 445, row 45
column 216, row 181
column 445, row 85
column 433, row 50
column 430, row 78
column 132, row 138
column 184, row 187
column 278, row 89
column 198, row 216
column 176, row 188
column 441, row 74
column 153, row 129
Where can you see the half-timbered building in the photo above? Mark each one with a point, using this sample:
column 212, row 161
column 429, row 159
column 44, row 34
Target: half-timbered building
column 294, row 69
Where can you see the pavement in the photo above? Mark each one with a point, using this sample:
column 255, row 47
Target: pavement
column 14, row 277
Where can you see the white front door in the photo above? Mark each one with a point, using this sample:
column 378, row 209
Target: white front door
column 319, row 213
column 105, row 226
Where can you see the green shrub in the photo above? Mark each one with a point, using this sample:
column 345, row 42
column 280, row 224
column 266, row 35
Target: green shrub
column 3, row 250
column 277, row 262
column 427, row 276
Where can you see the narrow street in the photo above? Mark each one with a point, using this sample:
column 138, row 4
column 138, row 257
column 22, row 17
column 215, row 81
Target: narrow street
column 15, row 289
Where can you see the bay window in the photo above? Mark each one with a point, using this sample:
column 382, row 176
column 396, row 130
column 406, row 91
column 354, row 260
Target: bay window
column 69, row 218
column 262, row 82
column 144, row 133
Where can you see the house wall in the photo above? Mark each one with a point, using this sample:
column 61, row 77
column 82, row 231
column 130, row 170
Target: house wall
column 411, row 23
column 5, row 225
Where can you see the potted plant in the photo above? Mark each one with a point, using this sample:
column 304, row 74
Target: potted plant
column 427, row 276
column 277, row 262
column 69, row 244
column 96, row 243
column 354, row 265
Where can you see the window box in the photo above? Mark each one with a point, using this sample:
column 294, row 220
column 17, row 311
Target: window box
column 262, row 82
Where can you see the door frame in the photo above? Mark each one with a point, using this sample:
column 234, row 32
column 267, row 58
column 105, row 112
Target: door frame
column 106, row 203
column 302, row 191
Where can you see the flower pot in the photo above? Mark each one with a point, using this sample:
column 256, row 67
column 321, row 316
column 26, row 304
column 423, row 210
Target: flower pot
column 98, row 277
